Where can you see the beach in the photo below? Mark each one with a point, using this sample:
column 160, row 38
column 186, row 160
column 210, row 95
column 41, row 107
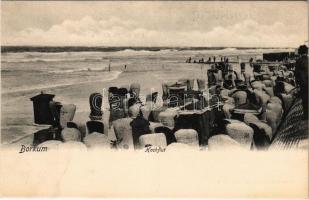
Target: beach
column 73, row 76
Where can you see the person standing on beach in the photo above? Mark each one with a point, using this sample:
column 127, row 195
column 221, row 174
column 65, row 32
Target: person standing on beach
column 251, row 61
column 301, row 77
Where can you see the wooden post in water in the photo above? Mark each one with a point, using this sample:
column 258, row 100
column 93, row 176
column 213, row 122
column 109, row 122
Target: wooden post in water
column 109, row 66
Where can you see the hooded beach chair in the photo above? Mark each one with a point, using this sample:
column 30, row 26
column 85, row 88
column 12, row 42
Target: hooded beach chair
column 154, row 139
column 67, row 113
column 95, row 126
column 95, row 102
column 123, row 133
column 70, row 134
column 140, row 126
column 169, row 134
column 240, row 132
column 187, row 136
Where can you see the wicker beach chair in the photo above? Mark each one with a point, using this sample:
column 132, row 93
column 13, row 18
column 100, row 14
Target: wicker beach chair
column 167, row 118
column 293, row 131
column 240, row 132
column 123, row 133
column 135, row 88
column 95, row 102
column 70, row 134
column 169, row 134
column 155, row 139
column 187, row 136
column 94, row 126
column 97, row 140
column 201, row 84
column 67, row 113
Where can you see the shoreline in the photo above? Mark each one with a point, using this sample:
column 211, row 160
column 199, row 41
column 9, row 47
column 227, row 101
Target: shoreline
column 31, row 90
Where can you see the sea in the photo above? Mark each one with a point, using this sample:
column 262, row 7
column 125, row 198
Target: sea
column 29, row 68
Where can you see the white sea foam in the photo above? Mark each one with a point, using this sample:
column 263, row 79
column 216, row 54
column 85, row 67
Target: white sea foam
column 108, row 76
column 90, row 69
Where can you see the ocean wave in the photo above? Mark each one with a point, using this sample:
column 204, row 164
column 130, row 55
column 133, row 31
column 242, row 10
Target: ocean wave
column 44, row 60
column 61, row 71
column 109, row 76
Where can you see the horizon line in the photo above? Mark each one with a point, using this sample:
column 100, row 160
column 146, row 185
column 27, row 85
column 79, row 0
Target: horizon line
column 126, row 46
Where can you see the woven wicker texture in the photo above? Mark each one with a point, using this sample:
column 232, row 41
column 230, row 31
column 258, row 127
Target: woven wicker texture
column 240, row 97
column 258, row 85
column 275, row 99
column 187, row 136
column 250, row 118
column 240, row 132
column 70, row 134
column 261, row 97
column 264, row 126
column 269, row 91
column 277, row 108
column 287, row 101
column 288, row 87
column 293, row 131
column 272, row 120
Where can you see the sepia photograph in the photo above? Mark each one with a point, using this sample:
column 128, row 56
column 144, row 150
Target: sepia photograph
column 155, row 77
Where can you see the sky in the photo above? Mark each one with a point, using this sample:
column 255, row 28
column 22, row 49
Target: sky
column 155, row 23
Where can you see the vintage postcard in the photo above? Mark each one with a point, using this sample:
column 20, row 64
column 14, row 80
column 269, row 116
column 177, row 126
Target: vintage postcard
column 154, row 99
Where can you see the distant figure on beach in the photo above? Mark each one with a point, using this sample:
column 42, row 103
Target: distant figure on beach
column 188, row 60
column 214, row 59
column 125, row 66
column 251, row 62
column 301, row 77
column 209, row 59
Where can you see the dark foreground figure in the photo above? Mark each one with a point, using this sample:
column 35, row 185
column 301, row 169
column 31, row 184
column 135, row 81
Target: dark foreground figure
column 301, row 77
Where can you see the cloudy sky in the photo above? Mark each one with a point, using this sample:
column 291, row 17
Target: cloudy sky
column 247, row 24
